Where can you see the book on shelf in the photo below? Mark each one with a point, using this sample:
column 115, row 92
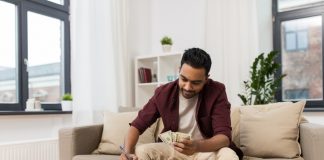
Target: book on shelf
column 145, row 75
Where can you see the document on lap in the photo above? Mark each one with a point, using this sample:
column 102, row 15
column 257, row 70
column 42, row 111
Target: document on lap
column 169, row 137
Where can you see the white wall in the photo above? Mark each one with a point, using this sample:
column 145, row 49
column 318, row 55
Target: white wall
column 150, row 20
column 183, row 20
column 16, row 128
column 139, row 27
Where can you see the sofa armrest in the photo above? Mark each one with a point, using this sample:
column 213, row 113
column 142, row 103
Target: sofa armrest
column 312, row 141
column 79, row 140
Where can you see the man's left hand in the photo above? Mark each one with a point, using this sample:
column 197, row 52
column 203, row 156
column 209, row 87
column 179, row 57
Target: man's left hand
column 187, row 147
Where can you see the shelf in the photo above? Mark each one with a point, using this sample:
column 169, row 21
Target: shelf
column 162, row 66
column 148, row 84
column 162, row 83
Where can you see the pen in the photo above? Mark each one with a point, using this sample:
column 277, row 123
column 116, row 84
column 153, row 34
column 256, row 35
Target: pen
column 126, row 154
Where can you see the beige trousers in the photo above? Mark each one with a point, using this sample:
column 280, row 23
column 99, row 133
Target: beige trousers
column 162, row 151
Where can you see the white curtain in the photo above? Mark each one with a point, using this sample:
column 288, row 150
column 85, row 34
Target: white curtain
column 236, row 32
column 124, row 60
column 99, row 60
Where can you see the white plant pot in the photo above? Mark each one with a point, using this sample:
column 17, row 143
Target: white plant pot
column 166, row 48
column 66, row 105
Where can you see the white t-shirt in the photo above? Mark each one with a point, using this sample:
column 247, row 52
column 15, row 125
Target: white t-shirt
column 187, row 116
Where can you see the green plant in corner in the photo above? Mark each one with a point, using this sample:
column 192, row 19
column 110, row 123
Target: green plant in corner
column 262, row 85
column 67, row 97
column 166, row 41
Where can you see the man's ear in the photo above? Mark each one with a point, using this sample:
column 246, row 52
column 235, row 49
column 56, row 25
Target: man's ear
column 207, row 76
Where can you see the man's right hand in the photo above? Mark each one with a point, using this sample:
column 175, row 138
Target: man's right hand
column 128, row 149
column 128, row 157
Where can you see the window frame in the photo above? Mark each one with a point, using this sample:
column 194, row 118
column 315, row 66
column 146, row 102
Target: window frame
column 46, row 8
column 64, row 8
column 278, row 17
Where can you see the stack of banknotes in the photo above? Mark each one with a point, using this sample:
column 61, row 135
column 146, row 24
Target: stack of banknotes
column 169, row 137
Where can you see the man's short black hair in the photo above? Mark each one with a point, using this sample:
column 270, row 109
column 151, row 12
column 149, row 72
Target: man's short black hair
column 197, row 58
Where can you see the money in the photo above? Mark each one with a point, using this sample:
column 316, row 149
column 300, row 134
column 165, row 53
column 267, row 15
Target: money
column 182, row 136
column 166, row 137
column 169, row 137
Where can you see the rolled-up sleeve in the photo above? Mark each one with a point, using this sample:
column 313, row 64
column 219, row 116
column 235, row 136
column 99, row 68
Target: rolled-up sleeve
column 221, row 121
column 146, row 116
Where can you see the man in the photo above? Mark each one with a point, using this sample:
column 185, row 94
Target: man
column 193, row 104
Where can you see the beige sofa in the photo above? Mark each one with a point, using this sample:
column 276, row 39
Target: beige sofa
column 78, row 143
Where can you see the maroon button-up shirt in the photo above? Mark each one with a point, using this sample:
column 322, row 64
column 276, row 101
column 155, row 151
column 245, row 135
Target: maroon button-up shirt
column 212, row 111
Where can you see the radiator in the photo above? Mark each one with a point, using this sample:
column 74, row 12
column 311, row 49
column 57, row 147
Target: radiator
column 30, row 150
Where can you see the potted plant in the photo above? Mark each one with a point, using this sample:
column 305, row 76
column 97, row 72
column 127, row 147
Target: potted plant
column 67, row 102
column 166, row 44
column 262, row 85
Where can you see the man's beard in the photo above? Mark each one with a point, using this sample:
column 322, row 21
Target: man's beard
column 188, row 94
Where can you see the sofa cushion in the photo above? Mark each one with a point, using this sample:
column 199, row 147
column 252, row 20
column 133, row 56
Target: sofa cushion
column 96, row 157
column 235, row 120
column 115, row 128
column 235, row 124
column 271, row 131
column 159, row 128
column 254, row 158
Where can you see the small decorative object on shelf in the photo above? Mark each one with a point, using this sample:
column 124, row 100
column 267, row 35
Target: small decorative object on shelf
column 172, row 77
column 166, row 44
column 66, row 102
column 145, row 75
column 169, row 78
column 154, row 78
column 33, row 104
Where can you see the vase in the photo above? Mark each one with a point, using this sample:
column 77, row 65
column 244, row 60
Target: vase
column 66, row 105
column 166, row 48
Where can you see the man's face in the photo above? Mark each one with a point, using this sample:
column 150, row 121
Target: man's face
column 191, row 80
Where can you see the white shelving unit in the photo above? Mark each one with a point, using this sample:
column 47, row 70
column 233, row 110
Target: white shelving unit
column 164, row 66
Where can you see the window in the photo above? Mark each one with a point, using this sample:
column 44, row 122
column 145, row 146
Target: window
column 8, row 54
column 298, row 35
column 295, row 36
column 34, row 52
column 297, row 94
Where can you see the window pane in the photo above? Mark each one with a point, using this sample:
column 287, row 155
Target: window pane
column 61, row 2
column 297, row 94
column 302, row 40
column 45, row 49
column 303, row 65
column 290, row 41
column 8, row 54
column 287, row 5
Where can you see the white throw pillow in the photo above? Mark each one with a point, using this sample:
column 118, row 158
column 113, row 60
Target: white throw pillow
column 116, row 126
column 271, row 131
column 235, row 119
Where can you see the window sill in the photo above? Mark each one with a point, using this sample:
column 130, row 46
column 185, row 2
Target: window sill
column 314, row 110
column 34, row 112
